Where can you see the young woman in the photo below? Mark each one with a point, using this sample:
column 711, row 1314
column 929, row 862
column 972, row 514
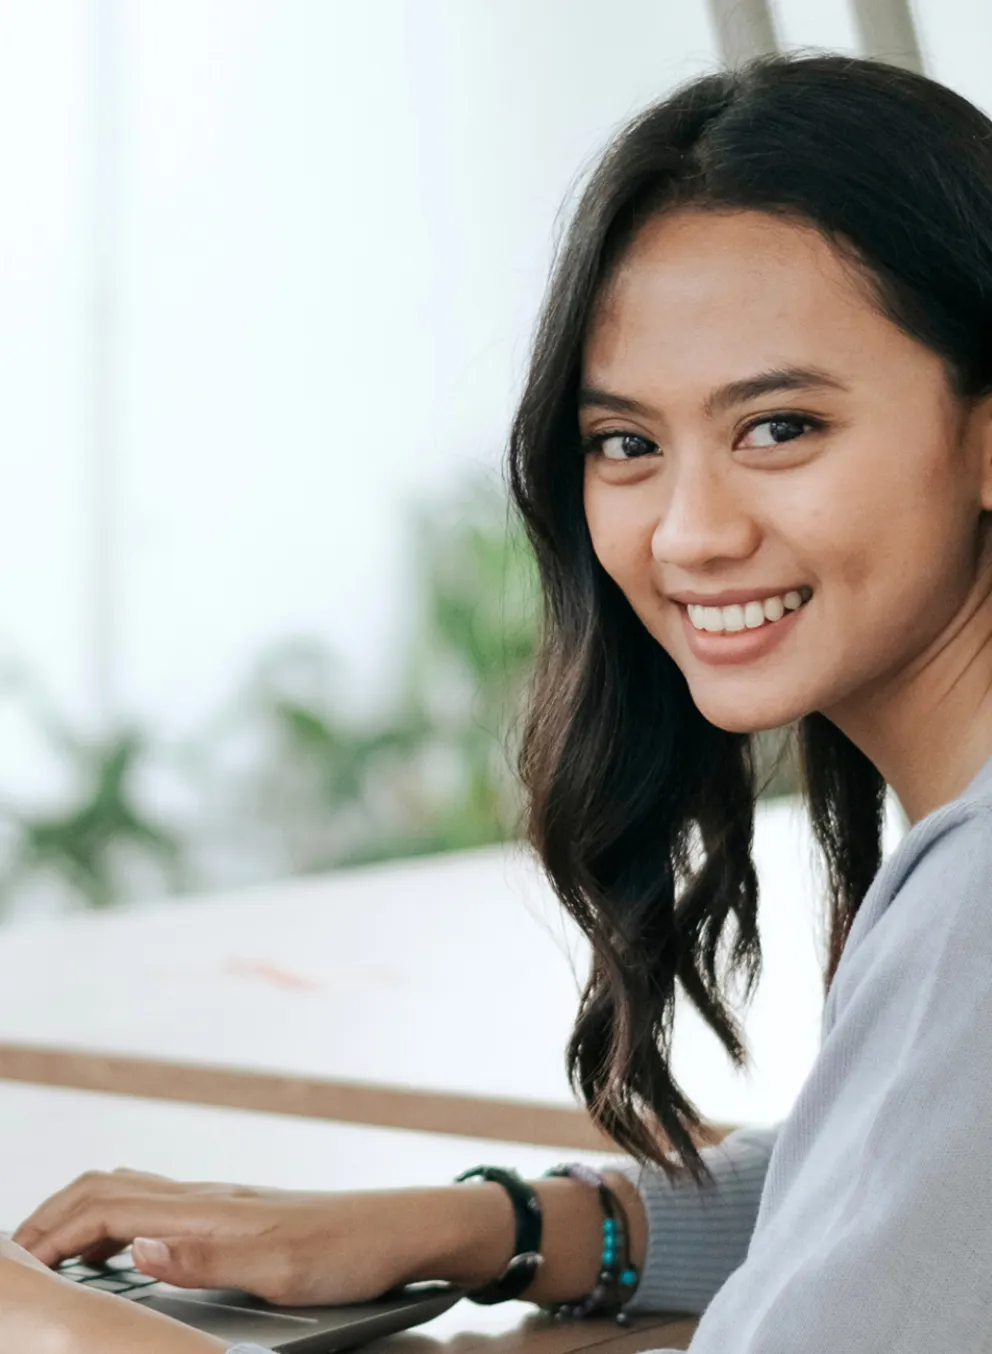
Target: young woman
column 754, row 454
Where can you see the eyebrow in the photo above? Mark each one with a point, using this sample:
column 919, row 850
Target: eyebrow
column 725, row 396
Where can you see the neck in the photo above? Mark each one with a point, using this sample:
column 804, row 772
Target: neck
column 929, row 732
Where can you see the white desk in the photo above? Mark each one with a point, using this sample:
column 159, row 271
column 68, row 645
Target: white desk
column 452, row 977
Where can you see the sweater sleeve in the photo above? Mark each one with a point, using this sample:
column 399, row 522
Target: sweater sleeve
column 697, row 1238
column 875, row 1226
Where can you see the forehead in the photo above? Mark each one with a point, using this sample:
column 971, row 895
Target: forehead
column 713, row 293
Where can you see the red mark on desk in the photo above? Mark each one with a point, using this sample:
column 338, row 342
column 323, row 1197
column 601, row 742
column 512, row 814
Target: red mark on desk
column 265, row 972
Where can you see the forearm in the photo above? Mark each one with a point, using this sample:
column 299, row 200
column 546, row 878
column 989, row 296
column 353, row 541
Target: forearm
column 45, row 1314
column 120, row 1327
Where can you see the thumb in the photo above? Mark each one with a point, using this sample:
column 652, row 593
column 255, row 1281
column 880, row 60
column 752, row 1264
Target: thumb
column 188, row 1262
column 203, row 1262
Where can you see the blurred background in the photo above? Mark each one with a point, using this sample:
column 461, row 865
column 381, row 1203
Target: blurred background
column 269, row 271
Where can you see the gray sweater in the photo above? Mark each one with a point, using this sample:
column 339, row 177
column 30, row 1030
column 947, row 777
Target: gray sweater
column 862, row 1223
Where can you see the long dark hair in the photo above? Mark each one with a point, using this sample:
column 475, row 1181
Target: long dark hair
column 641, row 810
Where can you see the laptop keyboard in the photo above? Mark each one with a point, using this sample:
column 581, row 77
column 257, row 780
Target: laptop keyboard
column 116, row 1276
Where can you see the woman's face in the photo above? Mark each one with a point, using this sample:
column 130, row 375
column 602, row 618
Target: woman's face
column 758, row 434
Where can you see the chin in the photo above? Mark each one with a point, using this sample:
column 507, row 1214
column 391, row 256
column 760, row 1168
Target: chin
column 749, row 716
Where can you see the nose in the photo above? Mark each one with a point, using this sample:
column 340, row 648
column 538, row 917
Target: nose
column 703, row 519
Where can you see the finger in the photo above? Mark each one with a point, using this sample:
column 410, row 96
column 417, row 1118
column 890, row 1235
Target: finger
column 152, row 1177
column 90, row 1186
column 105, row 1250
column 45, row 1215
column 115, row 1222
column 216, row 1262
column 188, row 1262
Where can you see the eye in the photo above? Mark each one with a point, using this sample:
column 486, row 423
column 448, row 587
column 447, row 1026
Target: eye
column 618, row 446
column 775, row 429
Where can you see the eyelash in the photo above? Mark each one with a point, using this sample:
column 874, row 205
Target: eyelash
column 593, row 444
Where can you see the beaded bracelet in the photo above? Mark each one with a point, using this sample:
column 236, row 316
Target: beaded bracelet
column 618, row 1277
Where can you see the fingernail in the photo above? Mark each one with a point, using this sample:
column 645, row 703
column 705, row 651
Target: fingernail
column 149, row 1252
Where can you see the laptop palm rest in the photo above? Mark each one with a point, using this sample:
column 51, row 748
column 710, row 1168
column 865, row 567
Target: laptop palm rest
column 234, row 1316
column 229, row 1322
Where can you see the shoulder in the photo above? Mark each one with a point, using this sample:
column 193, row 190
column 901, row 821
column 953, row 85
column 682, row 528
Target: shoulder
column 930, row 907
column 952, row 849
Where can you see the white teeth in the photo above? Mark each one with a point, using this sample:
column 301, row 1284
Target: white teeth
column 750, row 616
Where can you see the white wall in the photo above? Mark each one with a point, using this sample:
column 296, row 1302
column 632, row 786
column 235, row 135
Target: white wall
column 333, row 231
column 955, row 35
column 341, row 221
column 42, row 145
column 957, row 39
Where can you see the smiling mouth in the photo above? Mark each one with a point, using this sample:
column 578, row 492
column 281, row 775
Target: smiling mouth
column 749, row 616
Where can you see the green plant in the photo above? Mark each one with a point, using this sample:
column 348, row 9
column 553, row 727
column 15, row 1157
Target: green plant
column 101, row 827
column 435, row 772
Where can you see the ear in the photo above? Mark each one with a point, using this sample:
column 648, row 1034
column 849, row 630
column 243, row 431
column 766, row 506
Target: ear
column 980, row 430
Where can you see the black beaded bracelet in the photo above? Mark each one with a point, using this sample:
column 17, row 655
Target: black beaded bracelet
column 618, row 1278
column 527, row 1258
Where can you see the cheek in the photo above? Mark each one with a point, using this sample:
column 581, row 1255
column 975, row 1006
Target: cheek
column 621, row 536
column 908, row 525
column 894, row 564
column 879, row 513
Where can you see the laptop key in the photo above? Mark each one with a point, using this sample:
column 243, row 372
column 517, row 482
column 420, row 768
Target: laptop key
column 134, row 1278
column 108, row 1285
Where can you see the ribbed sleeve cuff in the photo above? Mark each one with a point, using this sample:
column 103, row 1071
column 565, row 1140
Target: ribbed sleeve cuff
column 697, row 1238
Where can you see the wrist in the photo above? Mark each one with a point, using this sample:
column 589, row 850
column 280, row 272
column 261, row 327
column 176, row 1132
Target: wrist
column 467, row 1233
column 637, row 1222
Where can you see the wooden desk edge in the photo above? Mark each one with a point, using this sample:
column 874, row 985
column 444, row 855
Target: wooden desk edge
column 354, row 1102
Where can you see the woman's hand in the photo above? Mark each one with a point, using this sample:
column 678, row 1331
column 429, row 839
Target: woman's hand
column 288, row 1248
column 46, row 1314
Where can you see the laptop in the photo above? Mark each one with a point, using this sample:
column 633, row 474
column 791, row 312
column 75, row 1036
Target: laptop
column 237, row 1317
